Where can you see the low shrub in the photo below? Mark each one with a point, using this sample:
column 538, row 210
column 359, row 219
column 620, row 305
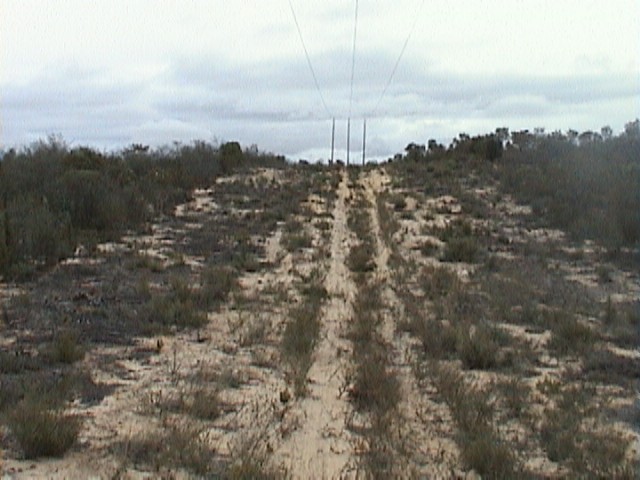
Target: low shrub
column 569, row 335
column 488, row 456
column 42, row 431
column 463, row 249
column 477, row 348
column 360, row 259
column 217, row 283
column 177, row 445
column 65, row 348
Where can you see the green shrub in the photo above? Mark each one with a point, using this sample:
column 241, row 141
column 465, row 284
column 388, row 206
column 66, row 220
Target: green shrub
column 299, row 339
column 376, row 388
column 217, row 282
column 42, row 431
column 178, row 308
column 477, row 348
column 66, row 347
column 178, row 445
column 205, row 404
column 463, row 249
column 360, row 259
column 297, row 241
column 438, row 281
column 488, row 456
column 569, row 335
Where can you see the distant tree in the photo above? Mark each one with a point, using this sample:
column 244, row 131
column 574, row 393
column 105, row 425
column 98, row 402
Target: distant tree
column 632, row 129
column 415, row 151
column 589, row 137
column 502, row 134
column 572, row 136
column 607, row 133
column 522, row 139
column 231, row 156
column 434, row 147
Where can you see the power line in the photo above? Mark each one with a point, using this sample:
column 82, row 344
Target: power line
column 306, row 53
column 404, row 47
column 353, row 56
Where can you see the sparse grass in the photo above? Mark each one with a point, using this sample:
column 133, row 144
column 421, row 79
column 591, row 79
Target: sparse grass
column 176, row 445
column 515, row 395
column 481, row 447
column 16, row 363
column 477, row 347
column 299, row 340
column 250, row 460
column 438, row 282
column 42, row 430
column 65, row 348
column 569, row 335
column 205, row 403
column 217, row 283
column 574, row 437
column 177, row 308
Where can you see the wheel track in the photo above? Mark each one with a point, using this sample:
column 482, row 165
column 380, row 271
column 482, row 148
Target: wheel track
column 322, row 446
column 422, row 440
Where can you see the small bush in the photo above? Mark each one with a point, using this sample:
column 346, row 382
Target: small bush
column 515, row 394
column 570, row 336
column 376, row 388
column 175, row 308
column 205, row 404
column 439, row 340
column 477, row 348
column 438, row 281
column 217, row 282
column 178, row 445
column 398, row 201
column 360, row 258
column 12, row 363
column 66, row 348
column 464, row 249
column 42, row 431
column 298, row 341
column 488, row 456
column 297, row 241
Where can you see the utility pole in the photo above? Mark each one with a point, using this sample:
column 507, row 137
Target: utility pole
column 364, row 140
column 348, row 139
column 333, row 139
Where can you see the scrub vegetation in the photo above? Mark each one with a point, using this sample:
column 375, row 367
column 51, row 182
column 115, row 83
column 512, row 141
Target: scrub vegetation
column 201, row 311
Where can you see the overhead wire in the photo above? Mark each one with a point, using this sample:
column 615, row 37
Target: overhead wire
column 306, row 53
column 402, row 51
column 353, row 57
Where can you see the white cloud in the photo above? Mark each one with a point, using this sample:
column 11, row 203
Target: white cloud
column 113, row 72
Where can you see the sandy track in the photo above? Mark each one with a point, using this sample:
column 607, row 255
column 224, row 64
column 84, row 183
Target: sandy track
column 425, row 429
column 321, row 448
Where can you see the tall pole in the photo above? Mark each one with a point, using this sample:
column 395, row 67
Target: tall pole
column 348, row 139
column 364, row 140
column 333, row 139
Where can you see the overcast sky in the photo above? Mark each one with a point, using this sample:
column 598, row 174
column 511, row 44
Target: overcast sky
column 115, row 72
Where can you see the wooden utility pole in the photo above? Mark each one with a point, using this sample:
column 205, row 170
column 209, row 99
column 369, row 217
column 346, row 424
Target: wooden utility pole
column 348, row 139
column 333, row 139
column 364, row 140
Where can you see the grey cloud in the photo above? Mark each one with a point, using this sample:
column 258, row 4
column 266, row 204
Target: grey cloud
column 275, row 103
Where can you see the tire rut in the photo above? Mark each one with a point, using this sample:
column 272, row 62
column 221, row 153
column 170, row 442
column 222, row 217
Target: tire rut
column 322, row 446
